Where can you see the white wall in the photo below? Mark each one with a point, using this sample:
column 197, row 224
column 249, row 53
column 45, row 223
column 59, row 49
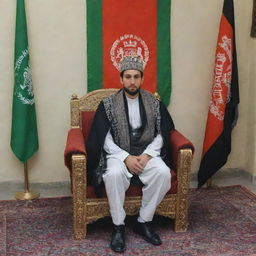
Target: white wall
column 58, row 53
column 195, row 25
column 251, row 134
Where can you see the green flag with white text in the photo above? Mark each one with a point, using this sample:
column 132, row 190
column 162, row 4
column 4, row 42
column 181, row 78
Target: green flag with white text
column 24, row 137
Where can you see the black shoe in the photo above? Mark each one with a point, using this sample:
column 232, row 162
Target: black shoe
column 118, row 241
column 147, row 233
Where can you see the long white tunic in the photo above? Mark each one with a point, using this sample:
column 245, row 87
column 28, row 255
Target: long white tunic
column 155, row 176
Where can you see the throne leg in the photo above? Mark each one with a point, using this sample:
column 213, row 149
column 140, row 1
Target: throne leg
column 181, row 220
column 80, row 228
column 184, row 166
column 78, row 185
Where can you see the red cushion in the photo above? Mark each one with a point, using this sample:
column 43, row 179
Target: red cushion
column 177, row 142
column 74, row 145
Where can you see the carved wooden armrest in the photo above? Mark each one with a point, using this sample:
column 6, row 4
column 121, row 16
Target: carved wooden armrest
column 79, row 193
column 74, row 145
column 75, row 160
column 182, row 155
column 178, row 142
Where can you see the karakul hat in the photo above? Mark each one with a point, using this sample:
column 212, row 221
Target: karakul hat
column 131, row 62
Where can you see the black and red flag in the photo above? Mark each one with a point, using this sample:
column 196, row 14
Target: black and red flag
column 222, row 114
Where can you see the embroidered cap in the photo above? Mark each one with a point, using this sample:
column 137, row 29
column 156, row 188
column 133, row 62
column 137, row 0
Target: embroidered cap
column 131, row 62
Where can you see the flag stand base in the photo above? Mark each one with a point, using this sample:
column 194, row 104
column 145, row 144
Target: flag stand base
column 27, row 195
column 209, row 184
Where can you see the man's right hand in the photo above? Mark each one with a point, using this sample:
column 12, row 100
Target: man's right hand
column 133, row 164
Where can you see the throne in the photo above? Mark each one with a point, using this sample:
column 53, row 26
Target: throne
column 87, row 207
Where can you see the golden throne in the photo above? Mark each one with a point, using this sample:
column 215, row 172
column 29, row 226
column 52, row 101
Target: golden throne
column 86, row 206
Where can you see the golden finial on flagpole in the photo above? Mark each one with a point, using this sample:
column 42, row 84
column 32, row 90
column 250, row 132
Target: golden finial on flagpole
column 26, row 195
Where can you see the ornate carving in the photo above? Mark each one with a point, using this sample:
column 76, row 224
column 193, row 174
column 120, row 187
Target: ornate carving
column 74, row 96
column 97, row 208
column 74, row 111
column 132, row 205
column 181, row 221
column 86, row 210
column 184, row 165
column 168, row 206
column 78, row 178
column 90, row 101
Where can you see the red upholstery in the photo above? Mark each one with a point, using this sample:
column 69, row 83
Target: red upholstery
column 177, row 142
column 76, row 145
column 87, row 118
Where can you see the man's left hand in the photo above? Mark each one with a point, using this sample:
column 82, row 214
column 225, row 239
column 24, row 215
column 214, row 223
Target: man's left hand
column 144, row 158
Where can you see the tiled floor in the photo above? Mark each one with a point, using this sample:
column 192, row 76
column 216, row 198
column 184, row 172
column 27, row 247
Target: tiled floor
column 8, row 190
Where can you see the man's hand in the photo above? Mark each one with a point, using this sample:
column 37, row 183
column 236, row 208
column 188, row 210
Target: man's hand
column 143, row 159
column 133, row 164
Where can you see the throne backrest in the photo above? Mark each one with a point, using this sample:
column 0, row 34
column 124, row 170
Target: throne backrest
column 83, row 109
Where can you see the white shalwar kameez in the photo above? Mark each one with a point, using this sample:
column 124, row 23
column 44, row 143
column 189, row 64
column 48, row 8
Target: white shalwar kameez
column 156, row 175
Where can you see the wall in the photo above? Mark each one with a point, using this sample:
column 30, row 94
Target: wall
column 58, row 51
column 195, row 25
column 251, row 135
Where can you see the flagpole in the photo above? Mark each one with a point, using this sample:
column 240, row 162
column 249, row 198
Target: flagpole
column 209, row 183
column 26, row 195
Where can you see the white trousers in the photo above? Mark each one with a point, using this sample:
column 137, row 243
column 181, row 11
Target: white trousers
column 156, row 178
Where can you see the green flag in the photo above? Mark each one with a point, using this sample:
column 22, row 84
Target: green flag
column 24, row 138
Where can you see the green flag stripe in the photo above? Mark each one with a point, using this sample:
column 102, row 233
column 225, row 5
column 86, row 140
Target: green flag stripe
column 94, row 44
column 21, row 26
column 163, row 50
column 24, row 137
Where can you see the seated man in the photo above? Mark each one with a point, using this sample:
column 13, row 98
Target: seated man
column 129, row 137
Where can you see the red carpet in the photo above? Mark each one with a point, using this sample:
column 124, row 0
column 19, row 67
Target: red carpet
column 222, row 222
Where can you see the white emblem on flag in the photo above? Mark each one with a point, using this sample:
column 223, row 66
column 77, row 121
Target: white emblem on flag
column 28, row 86
column 24, row 91
column 222, row 77
column 129, row 45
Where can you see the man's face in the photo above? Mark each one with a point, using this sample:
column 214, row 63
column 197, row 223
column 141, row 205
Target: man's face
column 131, row 82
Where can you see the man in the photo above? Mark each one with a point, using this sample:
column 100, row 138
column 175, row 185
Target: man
column 129, row 138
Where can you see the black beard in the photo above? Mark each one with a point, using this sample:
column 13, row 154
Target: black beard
column 132, row 93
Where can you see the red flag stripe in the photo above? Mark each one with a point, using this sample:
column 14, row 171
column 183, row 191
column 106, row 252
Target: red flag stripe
column 139, row 27
column 225, row 99
column 221, row 84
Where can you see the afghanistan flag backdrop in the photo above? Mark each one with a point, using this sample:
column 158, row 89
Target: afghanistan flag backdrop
column 24, row 138
column 119, row 28
column 222, row 113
